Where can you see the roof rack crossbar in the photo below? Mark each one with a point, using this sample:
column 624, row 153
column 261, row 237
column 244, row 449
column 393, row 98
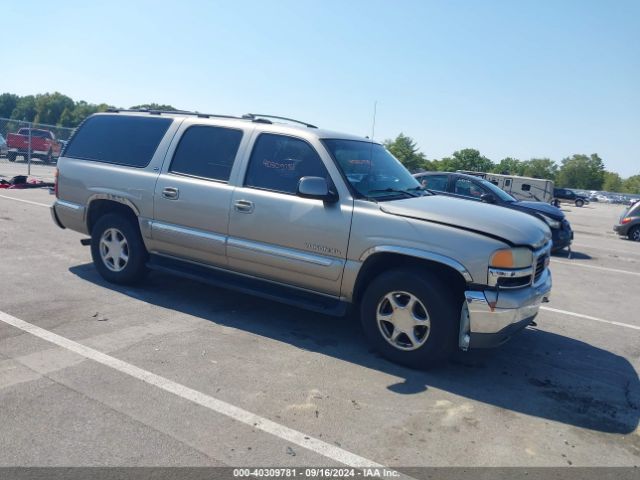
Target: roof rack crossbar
column 255, row 116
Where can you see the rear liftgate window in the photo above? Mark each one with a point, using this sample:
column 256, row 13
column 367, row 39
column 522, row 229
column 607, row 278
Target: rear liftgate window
column 118, row 139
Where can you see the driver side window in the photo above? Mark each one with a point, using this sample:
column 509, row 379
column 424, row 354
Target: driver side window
column 468, row 189
column 437, row 183
column 278, row 162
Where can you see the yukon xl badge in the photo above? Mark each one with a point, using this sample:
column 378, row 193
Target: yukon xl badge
column 322, row 249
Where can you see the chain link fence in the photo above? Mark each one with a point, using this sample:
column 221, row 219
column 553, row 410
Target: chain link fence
column 28, row 148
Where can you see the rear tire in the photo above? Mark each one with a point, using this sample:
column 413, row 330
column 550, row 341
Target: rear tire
column 579, row 203
column 634, row 234
column 117, row 249
column 411, row 318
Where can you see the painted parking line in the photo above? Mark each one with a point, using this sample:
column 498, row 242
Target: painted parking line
column 589, row 317
column 26, row 201
column 606, row 249
column 219, row 406
column 595, row 267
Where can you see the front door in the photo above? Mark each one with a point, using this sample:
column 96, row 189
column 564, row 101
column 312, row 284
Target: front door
column 276, row 235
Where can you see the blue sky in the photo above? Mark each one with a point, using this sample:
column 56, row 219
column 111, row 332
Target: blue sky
column 515, row 78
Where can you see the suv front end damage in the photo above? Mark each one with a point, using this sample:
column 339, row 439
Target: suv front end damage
column 491, row 316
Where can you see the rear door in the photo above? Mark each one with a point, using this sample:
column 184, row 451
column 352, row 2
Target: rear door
column 276, row 235
column 193, row 194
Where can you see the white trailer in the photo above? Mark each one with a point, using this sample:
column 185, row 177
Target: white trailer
column 522, row 188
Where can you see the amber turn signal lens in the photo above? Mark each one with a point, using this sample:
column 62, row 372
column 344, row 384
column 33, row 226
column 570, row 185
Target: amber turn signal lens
column 502, row 259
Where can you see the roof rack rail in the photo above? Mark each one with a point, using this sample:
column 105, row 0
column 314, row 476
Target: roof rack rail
column 179, row 112
column 254, row 117
column 259, row 117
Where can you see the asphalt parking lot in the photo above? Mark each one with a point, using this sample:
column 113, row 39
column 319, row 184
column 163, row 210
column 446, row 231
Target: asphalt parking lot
column 173, row 372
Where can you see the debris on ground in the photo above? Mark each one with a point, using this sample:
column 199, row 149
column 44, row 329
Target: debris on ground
column 22, row 181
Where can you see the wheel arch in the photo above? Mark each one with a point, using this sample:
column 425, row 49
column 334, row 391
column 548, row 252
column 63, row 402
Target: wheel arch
column 102, row 204
column 382, row 259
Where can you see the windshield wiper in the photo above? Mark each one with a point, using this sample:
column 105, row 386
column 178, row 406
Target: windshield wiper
column 393, row 190
column 420, row 188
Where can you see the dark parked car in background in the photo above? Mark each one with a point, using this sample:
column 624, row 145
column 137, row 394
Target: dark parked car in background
column 629, row 223
column 475, row 188
column 564, row 195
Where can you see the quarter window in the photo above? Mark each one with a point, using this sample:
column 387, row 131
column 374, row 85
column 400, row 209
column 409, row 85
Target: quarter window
column 525, row 187
column 278, row 162
column 120, row 139
column 206, row 152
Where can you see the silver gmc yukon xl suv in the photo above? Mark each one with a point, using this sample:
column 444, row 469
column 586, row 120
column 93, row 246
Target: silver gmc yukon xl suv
column 309, row 217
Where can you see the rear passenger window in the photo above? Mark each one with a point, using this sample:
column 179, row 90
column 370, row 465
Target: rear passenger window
column 120, row 139
column 206, row 152
column 278, row 162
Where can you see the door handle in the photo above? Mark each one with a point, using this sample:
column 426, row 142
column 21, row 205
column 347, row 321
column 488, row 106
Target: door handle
column 243, row 206
column 171, row 193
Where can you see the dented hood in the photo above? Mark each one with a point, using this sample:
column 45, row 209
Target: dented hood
column 511, row 226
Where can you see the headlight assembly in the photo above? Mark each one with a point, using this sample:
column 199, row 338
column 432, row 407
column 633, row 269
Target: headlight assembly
column 510, row 268
column 550, row 221
column 511, row 258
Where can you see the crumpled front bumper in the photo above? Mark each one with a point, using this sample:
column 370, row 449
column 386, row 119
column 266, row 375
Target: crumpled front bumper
column 491, row 317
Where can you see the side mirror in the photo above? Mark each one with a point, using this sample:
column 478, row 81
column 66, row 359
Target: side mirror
column 488, row 198
column 316, row 188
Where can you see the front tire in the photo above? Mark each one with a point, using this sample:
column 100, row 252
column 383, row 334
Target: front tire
column 117, row 249
column 579, row 203
column 634, row 234
column 11, row 156
column 410, row 317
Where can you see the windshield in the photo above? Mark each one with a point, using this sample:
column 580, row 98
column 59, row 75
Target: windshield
column 371, row 170
column 497, row 191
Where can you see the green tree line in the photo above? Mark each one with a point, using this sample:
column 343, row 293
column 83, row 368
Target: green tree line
column 580, row 171
column 56, row 108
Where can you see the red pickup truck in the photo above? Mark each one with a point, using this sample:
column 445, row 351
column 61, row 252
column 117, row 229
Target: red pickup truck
column 43, row 145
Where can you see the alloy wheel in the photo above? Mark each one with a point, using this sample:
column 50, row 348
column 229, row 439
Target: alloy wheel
column 403, row 320
column 114, row 250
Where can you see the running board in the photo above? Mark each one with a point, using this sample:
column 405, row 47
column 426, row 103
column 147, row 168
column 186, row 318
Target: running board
column 253, row 286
